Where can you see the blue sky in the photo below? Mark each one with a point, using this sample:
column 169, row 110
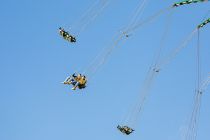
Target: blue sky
column 35, row 59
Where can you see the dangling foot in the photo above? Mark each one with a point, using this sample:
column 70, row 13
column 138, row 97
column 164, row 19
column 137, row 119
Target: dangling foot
column 73, row 88
column 67, row 82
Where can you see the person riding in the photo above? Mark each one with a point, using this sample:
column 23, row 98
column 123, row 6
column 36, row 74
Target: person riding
column 70, row 80
column 76, row 80
column 66, row 35
column 81, row 82
column 125, row 129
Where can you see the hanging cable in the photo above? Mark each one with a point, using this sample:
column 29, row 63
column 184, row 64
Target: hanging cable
column 150, row 77
column 122, row 37
column 94, row 10
column 173, row 54
column 93, row 15
column 147, row 20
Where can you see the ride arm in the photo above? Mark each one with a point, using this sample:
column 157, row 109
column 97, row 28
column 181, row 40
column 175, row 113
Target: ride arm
column 187, row 2
column 203, row 23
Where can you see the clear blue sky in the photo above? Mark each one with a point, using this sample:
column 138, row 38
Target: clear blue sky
column 35, row 59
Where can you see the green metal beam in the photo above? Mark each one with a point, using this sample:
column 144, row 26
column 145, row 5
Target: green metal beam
column 187, row 2
column 203, row 23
